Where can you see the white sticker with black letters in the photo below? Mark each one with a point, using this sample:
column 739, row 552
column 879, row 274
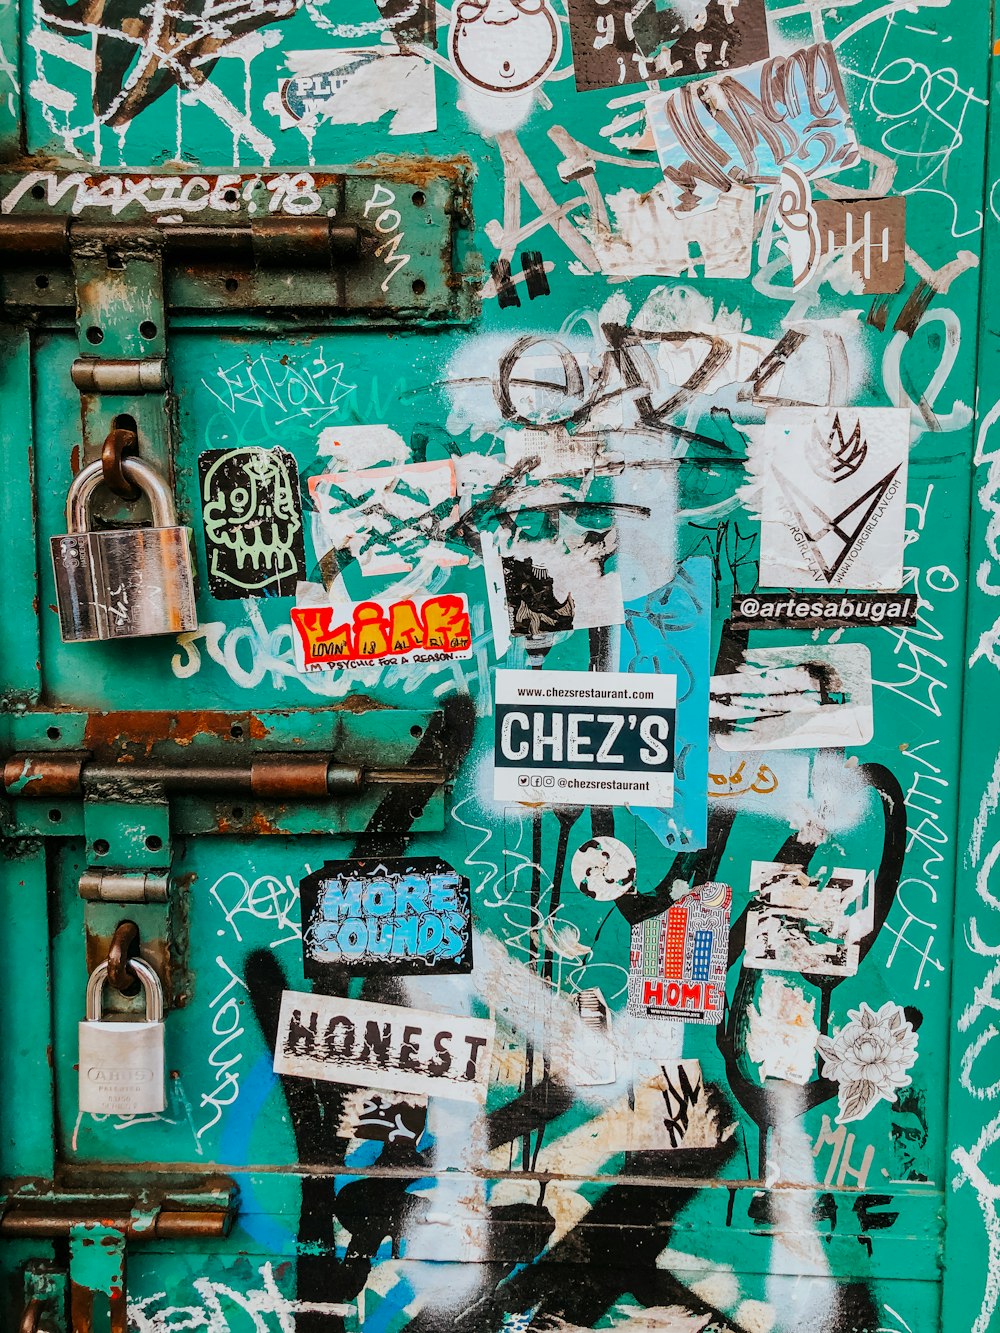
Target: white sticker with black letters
column 585, row 737
column 383, row 1046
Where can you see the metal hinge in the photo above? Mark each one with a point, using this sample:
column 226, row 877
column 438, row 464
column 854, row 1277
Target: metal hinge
column 209, row 1210
column 124, row 251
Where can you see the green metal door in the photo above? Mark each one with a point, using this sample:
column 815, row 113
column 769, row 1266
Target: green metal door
column 559, row 807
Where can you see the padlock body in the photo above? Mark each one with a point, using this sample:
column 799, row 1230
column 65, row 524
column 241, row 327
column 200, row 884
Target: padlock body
column 121, row 1068
column 124, row 584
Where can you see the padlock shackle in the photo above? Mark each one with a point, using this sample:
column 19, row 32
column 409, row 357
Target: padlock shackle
column 149, row 481
column 152, row 989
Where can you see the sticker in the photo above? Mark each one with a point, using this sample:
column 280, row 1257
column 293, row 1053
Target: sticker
column 504, row 46
column 559, row 583
column 384, row 1046
column 381, row 633
column 796, row 220
column 797, row 922
column 253, row 522
column 679, row 959
column 603, row 868
column 383, row 1117
column 795, row 698
column 633, row 41
column 873, row 233
column 791, row 109
column 389, row 519
column 670, row 629
column 833, row 487
column 869, row 1058
column 643, row 235
column 404, row 915
column 789, row 610
column 356, row 86
column 584, row 737
column 675, row 1109
column 782, row 1032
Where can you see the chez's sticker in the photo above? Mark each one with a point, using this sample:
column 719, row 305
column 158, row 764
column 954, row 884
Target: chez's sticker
column 382, row 633
column 585, row 738
column 384, row 1046
column 401, row 915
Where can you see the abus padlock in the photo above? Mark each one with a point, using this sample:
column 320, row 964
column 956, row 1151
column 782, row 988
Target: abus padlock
column 121, row 1061
column 124, row 583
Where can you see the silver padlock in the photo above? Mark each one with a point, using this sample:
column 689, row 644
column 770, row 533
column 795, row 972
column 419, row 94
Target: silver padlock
column 125, row 583
column 121, row 1061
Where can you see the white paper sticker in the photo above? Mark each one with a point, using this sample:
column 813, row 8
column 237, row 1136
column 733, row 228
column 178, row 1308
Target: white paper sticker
column 384, row 1046
column 797, row 922
column 833, row 497
column 795, row 698
column 585, row 737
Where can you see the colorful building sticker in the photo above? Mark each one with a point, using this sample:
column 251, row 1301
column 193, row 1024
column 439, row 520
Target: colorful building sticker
column 252, row 516
column 400, row 915
column 679, row 960
column 383, row 1046
column 585, row 738
column 382, row 633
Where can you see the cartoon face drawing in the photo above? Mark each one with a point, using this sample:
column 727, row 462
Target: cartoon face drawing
column 504, row 46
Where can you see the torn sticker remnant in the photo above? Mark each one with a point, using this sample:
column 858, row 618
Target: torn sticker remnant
column 812, row 924
column 741, row 128
column 621, row 42
column 795, row 698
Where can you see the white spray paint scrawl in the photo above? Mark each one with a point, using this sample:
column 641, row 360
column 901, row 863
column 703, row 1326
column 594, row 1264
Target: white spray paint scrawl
column 809, row 924
column 383, row 1046
column 832, row 487
column 795, row 698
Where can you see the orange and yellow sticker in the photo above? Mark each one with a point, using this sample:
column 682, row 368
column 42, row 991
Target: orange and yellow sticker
column 379, row 633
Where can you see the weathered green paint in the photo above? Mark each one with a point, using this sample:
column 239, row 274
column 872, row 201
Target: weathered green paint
column 709, row 1233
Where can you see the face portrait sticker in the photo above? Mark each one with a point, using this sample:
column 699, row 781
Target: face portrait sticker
column 504, row 46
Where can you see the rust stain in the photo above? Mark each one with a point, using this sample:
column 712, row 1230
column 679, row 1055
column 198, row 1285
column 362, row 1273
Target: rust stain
column 145, row 729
